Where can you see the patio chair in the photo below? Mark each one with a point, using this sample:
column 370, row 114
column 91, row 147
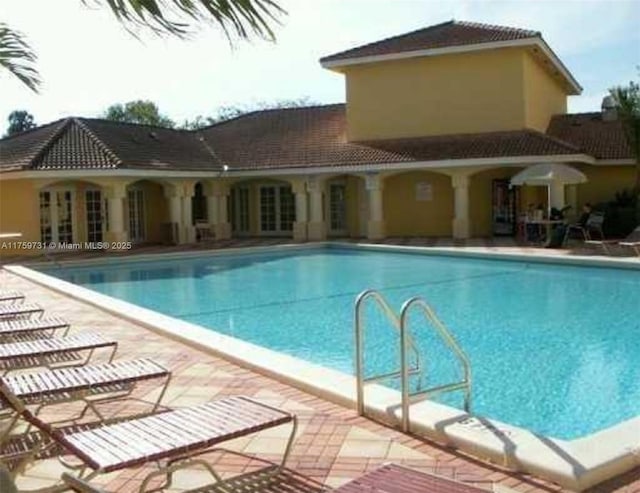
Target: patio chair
column 52, row 353
column 594, row 224
column 11, row 296
column 21, row 310
column 392, row 478
column 171, row 440
column 203, row 231
column 20, row 329
column 631, row 241
column 88, row 384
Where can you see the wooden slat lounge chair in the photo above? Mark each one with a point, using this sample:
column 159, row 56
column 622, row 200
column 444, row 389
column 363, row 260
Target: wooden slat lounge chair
column 12, row 296
column 52, row 352
column 27, row 328
column 392, row 478
column 89, row 384
column 13, row 310
column 631, row 241
column 171, row 440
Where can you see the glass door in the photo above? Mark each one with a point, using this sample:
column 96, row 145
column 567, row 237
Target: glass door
column 504, row 200
column 136, row 215
column 337, row 209
column 277, row 209
column 240, row 210
column 94, row 211
column 57, row 216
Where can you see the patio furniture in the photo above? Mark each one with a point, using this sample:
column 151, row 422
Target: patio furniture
column 631, row 241
column 27, row 328
column 593, row 224
column 89, row 384
column 11, row 296
column 171, row 440
column 204, row 232
column 14, row 310
column 392, row 478
column 52, row 352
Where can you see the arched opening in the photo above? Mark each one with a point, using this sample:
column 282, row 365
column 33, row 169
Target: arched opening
column 146, row 213
column 198, row 205
column 72, row 211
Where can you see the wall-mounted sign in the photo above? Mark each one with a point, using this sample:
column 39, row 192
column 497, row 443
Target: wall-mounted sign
column 424, row 191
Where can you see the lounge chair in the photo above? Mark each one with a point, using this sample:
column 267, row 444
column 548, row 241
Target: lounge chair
column 53, row 352
column 594, row 224
column 631, row 241
column 21, row 310
column 89, row 384
column 11, row 296
column 20, row 329
column 392, row 478
column 171, row 440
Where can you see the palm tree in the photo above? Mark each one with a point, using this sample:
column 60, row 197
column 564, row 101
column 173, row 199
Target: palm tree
column 627, row 100
column 237, row 18
column 17, row 57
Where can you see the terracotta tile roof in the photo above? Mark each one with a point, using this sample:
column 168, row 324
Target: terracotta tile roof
column 74, row 147
column 452, row 33
column 149, row 147
column 19, row 151
column 316, row 136
column 592, row 135
column 274, row 139
column 85, row 143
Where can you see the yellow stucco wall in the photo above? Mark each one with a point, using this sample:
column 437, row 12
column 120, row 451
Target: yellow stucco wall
column 19, row 213
column 544, row 96
column 404, row 215
column 603, row 182
column 470, row 92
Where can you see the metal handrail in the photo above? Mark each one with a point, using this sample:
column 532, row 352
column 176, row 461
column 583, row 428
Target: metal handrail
column 391, row 315
column 464, row 384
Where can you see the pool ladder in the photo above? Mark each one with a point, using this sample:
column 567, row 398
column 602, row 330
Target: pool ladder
column 407, row 343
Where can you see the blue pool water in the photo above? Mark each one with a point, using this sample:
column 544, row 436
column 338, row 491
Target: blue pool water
column 555, row 349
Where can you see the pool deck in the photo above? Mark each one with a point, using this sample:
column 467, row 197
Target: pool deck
column 333, row 444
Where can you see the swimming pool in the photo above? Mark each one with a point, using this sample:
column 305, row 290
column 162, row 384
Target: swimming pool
column 553, row 348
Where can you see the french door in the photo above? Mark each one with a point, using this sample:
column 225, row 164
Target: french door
column 94, row 205
column 277, row 209
column 136, row 215
column 57, row 211
column 239, row 210
column 337, row 209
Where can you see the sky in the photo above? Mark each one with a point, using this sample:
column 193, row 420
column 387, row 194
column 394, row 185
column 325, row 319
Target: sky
column 88, row 61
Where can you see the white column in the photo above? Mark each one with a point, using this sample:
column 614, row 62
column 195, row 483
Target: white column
column 300, row 225
column 115, row 203
column 175, row 216
column 317, row 229
column 375, row 223
column 461, row 206
column 212, row 211
column 188, row 230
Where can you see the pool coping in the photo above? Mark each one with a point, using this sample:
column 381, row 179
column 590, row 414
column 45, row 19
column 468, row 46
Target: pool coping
column 576, row 464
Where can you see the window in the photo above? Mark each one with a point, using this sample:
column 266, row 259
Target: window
column 337, row 207
column 94, row 207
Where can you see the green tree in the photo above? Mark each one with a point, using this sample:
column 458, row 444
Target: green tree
column 19, row 121
column 237, row 18
column 627, row 100
column 144, row 112
column 228, row 112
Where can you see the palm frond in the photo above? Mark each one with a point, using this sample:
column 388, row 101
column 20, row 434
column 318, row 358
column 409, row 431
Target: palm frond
column 17, row 57
column 241, row 18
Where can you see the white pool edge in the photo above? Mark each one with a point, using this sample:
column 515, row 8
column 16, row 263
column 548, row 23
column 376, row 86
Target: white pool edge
column 576, row 464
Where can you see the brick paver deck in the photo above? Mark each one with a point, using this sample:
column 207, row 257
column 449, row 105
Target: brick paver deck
column 333, row 444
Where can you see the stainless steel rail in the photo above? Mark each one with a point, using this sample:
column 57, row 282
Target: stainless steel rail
column 406, row 340
column 359, row 350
